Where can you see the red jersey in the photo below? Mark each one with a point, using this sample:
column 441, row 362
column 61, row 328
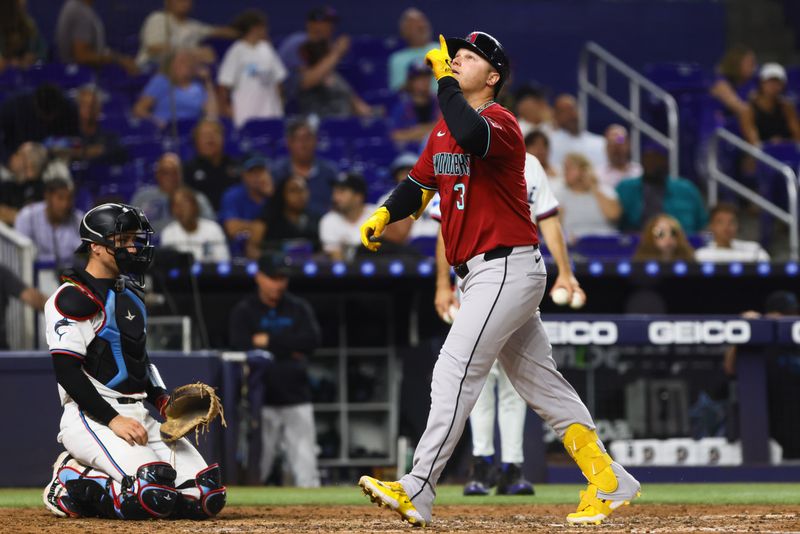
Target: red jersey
column 484, row 199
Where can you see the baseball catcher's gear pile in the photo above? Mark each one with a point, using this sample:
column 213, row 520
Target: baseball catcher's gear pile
column 190, row 407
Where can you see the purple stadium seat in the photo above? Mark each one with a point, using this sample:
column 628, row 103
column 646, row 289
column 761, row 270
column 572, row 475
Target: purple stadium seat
column 379, row 150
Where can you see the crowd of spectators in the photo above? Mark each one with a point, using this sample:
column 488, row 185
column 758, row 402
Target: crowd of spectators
column 221, row 203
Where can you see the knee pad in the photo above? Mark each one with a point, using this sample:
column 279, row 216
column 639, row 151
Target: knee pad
column 155, row 489
column 212, row 496
column 584, row 447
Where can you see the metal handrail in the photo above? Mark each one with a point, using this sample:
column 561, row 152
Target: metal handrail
column 717, row 176
column 632, row 112
column 18, row 252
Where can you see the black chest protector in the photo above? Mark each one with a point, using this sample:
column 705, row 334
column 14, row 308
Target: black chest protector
column 117, row 357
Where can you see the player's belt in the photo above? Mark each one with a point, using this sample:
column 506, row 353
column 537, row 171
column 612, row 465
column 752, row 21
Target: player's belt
column 462, row 269
column 127, row 400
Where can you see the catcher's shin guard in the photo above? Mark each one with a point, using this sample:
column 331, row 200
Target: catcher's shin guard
column 212, row 495
column 151, row 493
column 585, row 448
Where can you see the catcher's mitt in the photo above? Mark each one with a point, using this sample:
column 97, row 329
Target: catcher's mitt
column 190, row 407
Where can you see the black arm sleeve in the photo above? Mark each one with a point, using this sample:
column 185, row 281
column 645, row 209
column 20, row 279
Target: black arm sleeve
column 77, row 385
column 404, row 200
column 470, row 130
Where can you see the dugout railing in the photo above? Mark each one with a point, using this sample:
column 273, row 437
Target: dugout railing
column 593, row 73
column 17, row 253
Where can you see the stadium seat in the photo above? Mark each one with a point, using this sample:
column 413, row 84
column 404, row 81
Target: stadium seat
column 678, row 77
column 272, row 128
column 64, row 76
column 606, row 246
column 353, row 128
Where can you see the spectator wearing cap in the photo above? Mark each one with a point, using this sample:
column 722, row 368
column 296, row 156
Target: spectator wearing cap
column 171, row 28
column 155, row 199
column 537, row 144
column 618, row 150
column 303, row 162
column 211, row 171
column 402, row 232
column 243, row 204
column 284, row 328
column 415, row 30
column 81, row 38
column 203, row 238
column 568, row 137
column 657, row 192
column 532, row 110
column 724, row 247
column 770, row 117
column 53, row 224
column 416, row 112
column 251, row 73
column 339, row 228
column 288, row 221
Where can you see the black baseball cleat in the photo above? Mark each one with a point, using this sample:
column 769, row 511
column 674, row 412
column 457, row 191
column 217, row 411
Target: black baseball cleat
column 511, row 481
column 481, row 476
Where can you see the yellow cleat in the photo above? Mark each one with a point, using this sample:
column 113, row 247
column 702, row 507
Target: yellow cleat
column 393, row 496
column 592, row 509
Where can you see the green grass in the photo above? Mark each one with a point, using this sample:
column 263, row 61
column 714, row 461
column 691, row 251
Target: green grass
column 545, row 494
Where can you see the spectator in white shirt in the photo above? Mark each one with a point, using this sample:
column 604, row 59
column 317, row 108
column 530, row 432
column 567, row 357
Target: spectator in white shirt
column 569, row 138
column 339, row 228
column 202, row 238
column 251, row 73
column 618, row 150
column 587, row 207
column 724, row 247
column 170, row 29
column 532, row 110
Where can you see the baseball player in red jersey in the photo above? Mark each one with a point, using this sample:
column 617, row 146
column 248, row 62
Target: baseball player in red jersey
column 475, row 159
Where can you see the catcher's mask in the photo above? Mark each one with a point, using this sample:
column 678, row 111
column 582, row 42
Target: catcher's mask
column 108, row 225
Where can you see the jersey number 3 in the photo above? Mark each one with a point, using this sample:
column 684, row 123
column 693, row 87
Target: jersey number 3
column 461, row 189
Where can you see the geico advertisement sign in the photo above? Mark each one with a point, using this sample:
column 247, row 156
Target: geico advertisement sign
column 581, row 332
column 796, row 332
column 698, row 332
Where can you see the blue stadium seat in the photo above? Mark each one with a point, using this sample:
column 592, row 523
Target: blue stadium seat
column 272, row 128
column 64, row 76
column 606, row 246
column 678, row 76
column 353, row 128
column 380, row 150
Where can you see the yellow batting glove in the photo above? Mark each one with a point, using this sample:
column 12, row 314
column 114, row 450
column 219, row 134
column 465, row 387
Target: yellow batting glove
column 427, row 195
column 439, row 60
column 373, row 228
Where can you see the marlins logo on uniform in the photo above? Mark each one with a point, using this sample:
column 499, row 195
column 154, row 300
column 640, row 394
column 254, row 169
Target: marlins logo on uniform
column 63, row 323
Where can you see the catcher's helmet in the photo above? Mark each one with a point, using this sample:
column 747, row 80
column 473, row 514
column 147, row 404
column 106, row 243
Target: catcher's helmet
column 102, row 223
column 488, row 48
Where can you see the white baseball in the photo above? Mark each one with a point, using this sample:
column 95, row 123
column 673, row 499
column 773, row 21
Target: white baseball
column 578, row 300
column 560, row 296
column 452, row 312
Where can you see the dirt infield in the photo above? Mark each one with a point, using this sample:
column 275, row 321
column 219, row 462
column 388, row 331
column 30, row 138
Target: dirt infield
column 484, row 520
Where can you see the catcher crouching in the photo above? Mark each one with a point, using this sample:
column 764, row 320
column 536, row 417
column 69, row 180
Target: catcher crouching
column 119, row 461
